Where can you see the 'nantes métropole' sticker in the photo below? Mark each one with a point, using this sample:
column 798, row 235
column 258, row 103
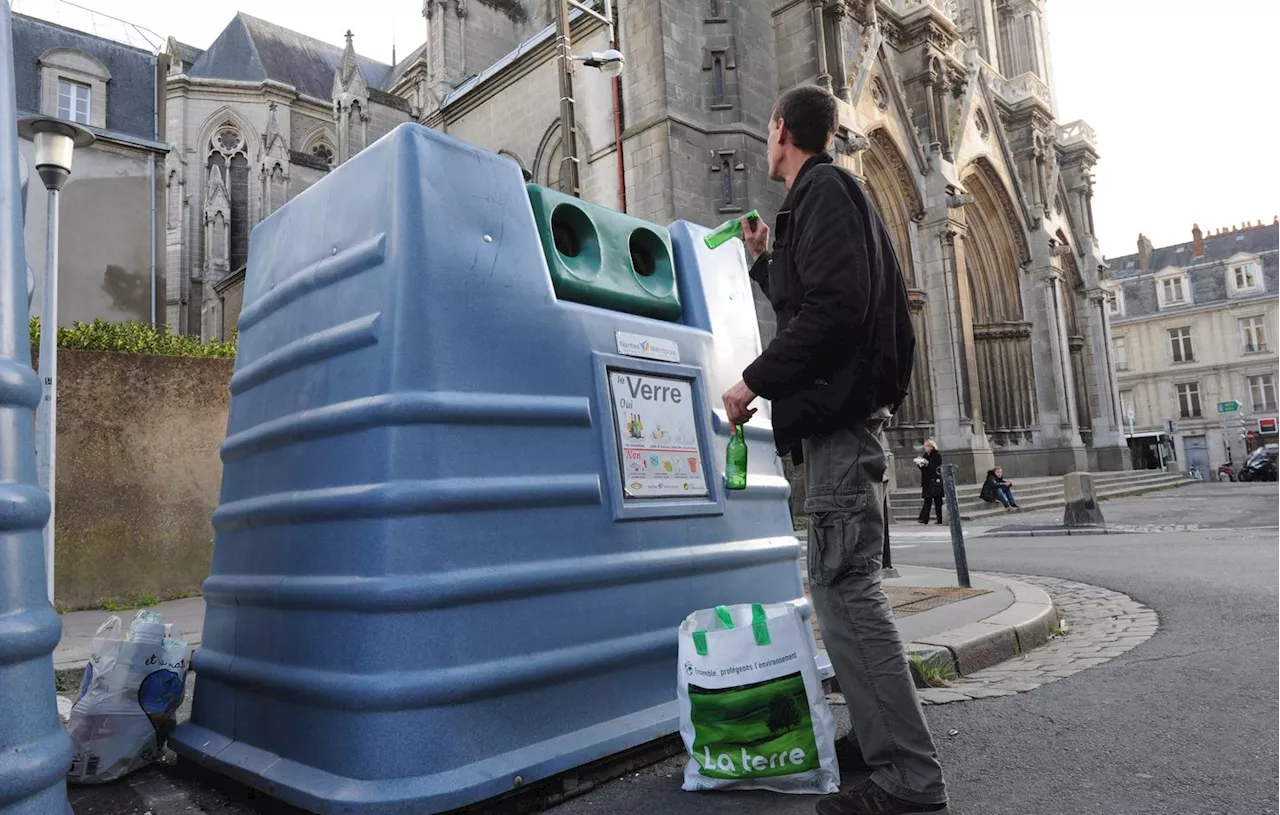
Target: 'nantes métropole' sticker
column 657, row 436
column 635, row 345
column 753, row 731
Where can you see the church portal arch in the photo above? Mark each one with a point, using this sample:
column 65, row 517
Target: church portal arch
column 995, row 249
column 892, row 188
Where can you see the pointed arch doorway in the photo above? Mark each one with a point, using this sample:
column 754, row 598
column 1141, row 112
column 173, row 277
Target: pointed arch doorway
column 994, row 251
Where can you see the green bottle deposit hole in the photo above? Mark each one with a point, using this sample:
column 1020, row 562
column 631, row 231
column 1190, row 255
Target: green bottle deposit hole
column 576, row 241
column 651, row 262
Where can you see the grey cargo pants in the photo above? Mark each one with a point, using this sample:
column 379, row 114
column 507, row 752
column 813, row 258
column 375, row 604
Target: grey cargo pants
column 845, row 478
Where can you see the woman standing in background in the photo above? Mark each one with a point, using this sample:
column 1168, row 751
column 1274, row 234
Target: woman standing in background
column 930, row 480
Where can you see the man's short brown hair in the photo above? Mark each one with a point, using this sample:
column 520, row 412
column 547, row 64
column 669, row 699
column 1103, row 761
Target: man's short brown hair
column 810, row 114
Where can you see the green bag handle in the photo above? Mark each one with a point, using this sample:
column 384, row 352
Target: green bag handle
column 759, row 627
column 760, row 624
column 726, row 619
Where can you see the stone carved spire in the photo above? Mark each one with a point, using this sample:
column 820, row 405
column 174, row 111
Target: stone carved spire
column 273, row 167
column 350, row 103
column 348, row 76
column 217, row 226
column 216, row 198
column 273, row 142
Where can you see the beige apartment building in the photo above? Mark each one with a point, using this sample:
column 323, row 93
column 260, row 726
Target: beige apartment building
column 1193, row 326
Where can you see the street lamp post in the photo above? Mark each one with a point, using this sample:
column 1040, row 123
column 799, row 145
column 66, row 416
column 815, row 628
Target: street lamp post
column 610, row 63
column 55, row 143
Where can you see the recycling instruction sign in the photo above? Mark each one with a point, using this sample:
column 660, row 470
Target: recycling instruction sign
column 657, row 436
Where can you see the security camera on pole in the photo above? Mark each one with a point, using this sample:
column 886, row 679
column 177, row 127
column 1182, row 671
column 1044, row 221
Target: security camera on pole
column 55, row 142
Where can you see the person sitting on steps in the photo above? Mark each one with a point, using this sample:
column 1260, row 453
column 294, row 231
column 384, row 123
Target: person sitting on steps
column 995, row 488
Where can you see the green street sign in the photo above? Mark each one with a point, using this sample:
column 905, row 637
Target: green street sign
column 1230, row 406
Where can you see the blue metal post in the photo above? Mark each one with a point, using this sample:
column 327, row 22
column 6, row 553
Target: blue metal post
column 35, row 751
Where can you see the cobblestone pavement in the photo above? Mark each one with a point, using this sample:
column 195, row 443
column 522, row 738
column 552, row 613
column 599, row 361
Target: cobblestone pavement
column 1155, row 528
column 1099, row 625
column 1021, row 530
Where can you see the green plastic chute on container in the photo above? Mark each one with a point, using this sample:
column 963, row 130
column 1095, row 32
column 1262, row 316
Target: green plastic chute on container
column 752, row 711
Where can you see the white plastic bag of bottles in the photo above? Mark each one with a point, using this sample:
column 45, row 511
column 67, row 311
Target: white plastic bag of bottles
column 129, row 699
column 753, row 715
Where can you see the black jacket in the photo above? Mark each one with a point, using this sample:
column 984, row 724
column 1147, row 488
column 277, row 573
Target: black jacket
column 931, row 475
column 845, row 344
column 989, row 487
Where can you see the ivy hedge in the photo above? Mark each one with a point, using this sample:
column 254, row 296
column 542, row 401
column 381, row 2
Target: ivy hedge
column 132, row 338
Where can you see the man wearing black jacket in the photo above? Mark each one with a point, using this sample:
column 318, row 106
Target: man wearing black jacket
column 835, row 373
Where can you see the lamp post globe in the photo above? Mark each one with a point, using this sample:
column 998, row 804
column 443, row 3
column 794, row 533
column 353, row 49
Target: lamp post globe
column 55, row 141
column 610, row 62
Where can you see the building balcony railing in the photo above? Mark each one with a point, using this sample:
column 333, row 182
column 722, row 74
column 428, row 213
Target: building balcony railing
column 1077, row 132
column 1026, row 86
column 904, row 8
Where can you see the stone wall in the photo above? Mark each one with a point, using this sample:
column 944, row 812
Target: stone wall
column 138, row 474
column 104, row 264
column 518, row 114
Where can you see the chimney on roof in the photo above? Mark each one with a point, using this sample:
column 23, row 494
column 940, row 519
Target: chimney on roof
column 1144, row 251
column 1198, row 238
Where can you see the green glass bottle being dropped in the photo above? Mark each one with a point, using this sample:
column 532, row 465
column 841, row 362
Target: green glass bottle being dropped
column 735, row 462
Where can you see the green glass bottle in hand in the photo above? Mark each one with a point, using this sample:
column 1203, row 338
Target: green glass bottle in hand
column 735, row 461
column 729, row 229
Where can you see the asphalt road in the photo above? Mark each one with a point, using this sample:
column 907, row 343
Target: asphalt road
column 1238, row 506
column 1185, row 723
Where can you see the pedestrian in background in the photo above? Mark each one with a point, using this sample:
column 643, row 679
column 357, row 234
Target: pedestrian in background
column 930, row 464
column 996, row 488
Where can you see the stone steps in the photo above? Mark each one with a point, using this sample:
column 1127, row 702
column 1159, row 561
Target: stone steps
column 1050, row 483
column 1041, row 493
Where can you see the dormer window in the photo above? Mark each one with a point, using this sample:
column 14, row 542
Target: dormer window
column 1172, row 288
column 73, row 86
column 73, row 101
column 1115, row 301
column 1244, row 275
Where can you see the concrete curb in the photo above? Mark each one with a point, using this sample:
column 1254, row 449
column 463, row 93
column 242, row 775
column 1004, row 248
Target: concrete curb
column 1026, row 624
column 1054, row 532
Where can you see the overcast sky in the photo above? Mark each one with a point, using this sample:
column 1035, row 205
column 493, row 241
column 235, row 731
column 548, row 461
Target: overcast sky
column 1182, row 93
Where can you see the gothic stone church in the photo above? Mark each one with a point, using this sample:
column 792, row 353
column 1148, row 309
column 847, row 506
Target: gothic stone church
column 947, row 116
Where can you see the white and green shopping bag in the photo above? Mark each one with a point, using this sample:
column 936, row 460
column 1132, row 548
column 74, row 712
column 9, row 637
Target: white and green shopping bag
column 752, row 712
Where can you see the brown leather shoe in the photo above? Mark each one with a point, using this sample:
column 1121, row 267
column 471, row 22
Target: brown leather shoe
column 868, row 799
